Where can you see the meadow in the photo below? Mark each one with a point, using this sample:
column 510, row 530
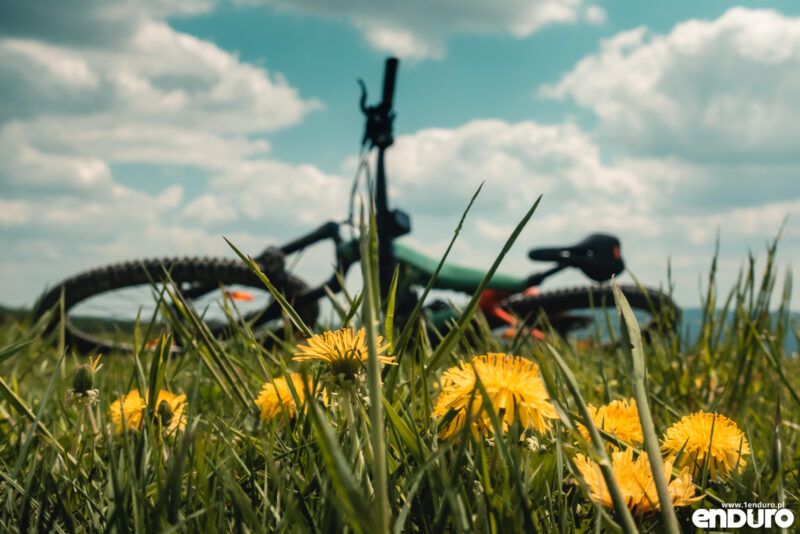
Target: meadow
column 237, row 436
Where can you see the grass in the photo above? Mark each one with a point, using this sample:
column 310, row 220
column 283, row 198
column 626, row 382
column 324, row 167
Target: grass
column 359, row 464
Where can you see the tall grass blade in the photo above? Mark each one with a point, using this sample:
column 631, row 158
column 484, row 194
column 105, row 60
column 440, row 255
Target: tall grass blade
column 777, row 455
column 217, row 353
column 20, row 405
column 502, row 446
column 402, row 339
column 23, row 453
column 10, row 350
column 456, row 332
column 598, row 446
column 632, row 340
column 388, row 326
column 339, row 471
column 284, row 304
column 371, row 315
column 775, row 363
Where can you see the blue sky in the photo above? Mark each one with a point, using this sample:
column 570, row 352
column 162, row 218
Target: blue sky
column 151, row 128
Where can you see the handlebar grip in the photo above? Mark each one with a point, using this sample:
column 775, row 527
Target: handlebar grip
column 388, row 82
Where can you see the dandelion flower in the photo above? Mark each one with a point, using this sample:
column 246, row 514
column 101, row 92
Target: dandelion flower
column 514, row 386
column 635, row 481
column 128, row 410
column 693, row 433
column 275, row 396
column 619, row 418
column 344, row 351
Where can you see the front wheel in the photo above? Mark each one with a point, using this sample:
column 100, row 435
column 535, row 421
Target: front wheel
column 102, row 306
column 588, row 315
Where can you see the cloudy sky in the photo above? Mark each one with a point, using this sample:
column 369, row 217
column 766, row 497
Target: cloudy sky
column 148, row 128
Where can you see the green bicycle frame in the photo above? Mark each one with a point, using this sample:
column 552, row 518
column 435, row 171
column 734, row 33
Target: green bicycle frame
column 417, row 269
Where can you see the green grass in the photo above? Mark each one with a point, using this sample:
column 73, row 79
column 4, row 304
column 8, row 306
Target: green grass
column 65, row 471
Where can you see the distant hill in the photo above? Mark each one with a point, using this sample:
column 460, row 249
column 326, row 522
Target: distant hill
column 693, row 318
column 16, row 314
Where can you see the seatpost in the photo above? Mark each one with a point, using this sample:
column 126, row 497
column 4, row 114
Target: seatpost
column 378, row 133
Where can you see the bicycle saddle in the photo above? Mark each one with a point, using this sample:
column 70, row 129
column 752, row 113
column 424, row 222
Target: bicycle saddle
column 598, row 256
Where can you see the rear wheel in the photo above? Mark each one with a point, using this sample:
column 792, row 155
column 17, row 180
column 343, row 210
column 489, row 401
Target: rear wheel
column 101, row 306
column 588, row 314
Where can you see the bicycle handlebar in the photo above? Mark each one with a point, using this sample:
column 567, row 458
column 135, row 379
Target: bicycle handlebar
column 378, row 130
column 329, row 230
column 388, row 84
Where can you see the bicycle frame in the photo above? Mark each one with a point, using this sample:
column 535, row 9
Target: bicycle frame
column 416, row 269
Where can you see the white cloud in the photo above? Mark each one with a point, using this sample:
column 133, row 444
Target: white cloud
column 160, row 76
column 49, row 65
column 403, row 43
column 291, row 196
column 131, row 141
column 88, row 23
column 25, row 166
column 716, row 90
column 14, row 212
column 170, row 198
column 157, row 96
column 517, row 162
column 596, row 15
column 419, row 28
column 753, row 221
column 208, row 209
column 154, row 95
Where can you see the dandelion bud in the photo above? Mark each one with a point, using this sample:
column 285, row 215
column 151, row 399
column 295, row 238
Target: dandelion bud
column 82, row 382
column 164, row 412
column 82, row 379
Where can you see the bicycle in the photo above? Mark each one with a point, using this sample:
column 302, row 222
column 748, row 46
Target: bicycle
column 95, row 301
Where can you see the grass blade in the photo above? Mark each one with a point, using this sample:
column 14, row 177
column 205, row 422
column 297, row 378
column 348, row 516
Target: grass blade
column 598, row 445
column 371, row 315
column 388, row 326
column 457, row 331
column 284, row 304
column 632, row 340
column 402, row 340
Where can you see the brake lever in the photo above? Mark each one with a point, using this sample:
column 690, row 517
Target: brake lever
column 365, row 110
column 363, row 101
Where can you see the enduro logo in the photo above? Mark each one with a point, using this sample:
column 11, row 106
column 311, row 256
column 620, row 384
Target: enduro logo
column 737, row 515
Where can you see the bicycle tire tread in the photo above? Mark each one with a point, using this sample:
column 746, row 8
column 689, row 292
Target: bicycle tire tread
column 565, row 299
column 130, row 273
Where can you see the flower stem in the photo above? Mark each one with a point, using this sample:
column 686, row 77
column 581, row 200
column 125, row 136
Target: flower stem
column 349, row 402
column 92, row 421
column 76, row 437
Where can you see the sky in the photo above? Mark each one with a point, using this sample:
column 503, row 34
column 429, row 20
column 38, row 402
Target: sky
column 148, row 128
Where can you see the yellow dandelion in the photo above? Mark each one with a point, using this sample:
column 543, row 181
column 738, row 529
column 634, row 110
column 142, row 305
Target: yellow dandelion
column 619, row 418
column 344, row 351
column 275, row 396
column 693, row 434
column 635, row 481
column 128, row 410
column 514, row 386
